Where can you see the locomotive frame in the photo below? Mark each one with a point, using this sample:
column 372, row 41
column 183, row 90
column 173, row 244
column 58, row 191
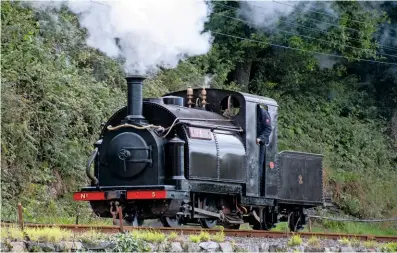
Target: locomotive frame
column 189, row 157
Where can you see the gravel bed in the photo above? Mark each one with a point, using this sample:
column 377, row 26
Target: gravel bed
column 183, row 244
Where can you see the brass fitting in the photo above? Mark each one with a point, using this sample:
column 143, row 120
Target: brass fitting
column 189, row 96
column 204, row 97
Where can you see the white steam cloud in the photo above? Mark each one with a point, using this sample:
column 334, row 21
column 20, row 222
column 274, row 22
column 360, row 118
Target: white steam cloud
column 149, row 33
column 266, row 13
column 263, row 13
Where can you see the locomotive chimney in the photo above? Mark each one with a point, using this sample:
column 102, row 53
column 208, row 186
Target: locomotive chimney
column 134, row 99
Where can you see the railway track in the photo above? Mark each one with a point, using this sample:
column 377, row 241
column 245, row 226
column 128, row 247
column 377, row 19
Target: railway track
column 228, row 232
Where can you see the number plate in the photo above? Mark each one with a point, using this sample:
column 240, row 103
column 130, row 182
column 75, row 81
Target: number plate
column 200, row 133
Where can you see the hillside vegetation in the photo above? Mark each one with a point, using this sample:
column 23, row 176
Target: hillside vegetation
column 56, row 92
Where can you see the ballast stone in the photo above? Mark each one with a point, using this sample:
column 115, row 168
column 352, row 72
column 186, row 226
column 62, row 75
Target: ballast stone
column 226, row 247
column 209, row 246
column 176, row 247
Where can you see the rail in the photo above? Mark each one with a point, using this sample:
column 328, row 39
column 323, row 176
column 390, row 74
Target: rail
column 190, row 230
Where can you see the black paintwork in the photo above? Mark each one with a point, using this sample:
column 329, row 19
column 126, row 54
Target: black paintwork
column 301, row 178
column 173, row 100
column 213, row 187
column 134, row 98
column 141, row 167
column 246, row 118
column 224, row 162
column 174, row 162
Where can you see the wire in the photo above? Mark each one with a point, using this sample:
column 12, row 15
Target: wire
column 318, row 12
column 311, row 29
column 300, row 35
column 303, row 50
column 343, row 219
column 316, row 20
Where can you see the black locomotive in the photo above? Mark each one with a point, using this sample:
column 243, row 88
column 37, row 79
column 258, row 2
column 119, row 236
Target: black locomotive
column 191, row 157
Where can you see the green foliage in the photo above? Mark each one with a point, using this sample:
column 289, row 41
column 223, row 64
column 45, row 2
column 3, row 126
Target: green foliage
column 125, row 242
column 56, row 92
column 390, row 247
column 202, row 237
column 219, row 236
column 53, row 102
column 295, row 240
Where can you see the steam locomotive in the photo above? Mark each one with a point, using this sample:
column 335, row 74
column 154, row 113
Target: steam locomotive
column 190, row 157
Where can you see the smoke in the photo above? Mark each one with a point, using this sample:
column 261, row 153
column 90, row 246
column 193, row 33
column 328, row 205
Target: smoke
column 267, row 13
column 207, row 80
column 147, row 34
column 263, row 13
column 326, row 62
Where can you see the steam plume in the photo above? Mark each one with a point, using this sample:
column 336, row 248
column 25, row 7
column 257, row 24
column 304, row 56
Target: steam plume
column 263, row 13
column 147, row 34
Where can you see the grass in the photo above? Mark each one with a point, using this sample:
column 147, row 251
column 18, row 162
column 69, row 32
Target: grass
column 49, row 234
column 354, row 228
column 344, row 241
column 91, row 236
column 12, row 233
column 295, row 240
column 149, row 235
column 173, row 236
column 390, row 247
column 314, row 241
column 355, row 242
column 219, row 236
column 370, row 244
column 202, row 237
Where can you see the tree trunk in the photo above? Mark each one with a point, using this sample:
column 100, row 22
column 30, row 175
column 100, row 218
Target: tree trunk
column 242, row 74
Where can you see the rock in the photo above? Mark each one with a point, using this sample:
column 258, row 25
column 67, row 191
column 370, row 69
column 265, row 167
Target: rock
column 176, row 247
column 99, row 245
column 193, row 247
column 226, row 247
column 331, row 249
column 346, row 249
column 264, row 247
column 163, row 247
column 315, row 249
column 209, row 246
column 67, row 246
column 4, row 246
column 253, row 248
column 153, row 247
column 277, row 248
column 239, row 247
column 47, row 247
column 17, row 246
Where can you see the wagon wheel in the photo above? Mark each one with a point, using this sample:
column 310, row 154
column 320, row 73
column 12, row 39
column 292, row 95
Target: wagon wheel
column 258, row 225
column 209, row 205
column 295, row 222
column 170, row 221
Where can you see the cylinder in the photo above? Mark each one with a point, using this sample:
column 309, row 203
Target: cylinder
column 173, row 100
column 134, row 98
column 176, row 165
